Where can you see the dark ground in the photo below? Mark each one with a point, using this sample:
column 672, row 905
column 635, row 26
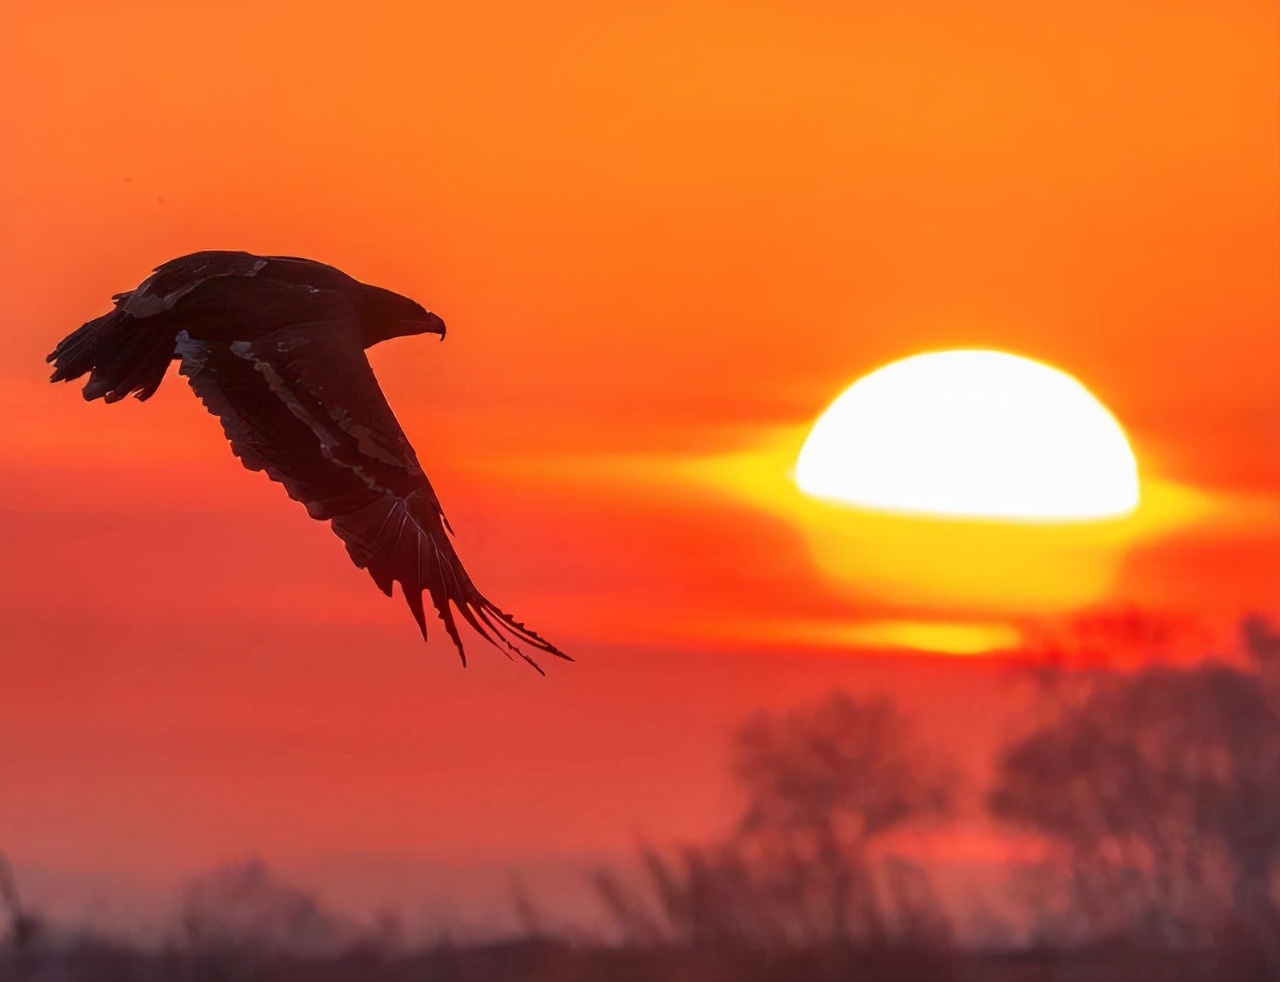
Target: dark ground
column 527, row 961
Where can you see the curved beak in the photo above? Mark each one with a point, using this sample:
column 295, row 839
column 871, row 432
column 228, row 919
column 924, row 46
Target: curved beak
column 430, row 324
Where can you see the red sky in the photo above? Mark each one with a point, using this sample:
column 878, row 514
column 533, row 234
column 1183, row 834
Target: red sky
column 661, row 236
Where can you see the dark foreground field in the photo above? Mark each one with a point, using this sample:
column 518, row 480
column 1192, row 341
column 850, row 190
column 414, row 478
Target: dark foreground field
column 527, row 961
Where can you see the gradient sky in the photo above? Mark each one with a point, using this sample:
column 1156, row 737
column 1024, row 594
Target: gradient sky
column 664, row 237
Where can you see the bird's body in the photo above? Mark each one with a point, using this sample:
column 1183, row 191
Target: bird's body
column 274, row 347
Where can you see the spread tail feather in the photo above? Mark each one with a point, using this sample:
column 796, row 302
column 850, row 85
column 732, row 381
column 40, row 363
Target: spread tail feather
column 120, row 355
column 404, row 539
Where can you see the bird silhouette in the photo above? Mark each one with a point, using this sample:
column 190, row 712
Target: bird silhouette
column 274, row 347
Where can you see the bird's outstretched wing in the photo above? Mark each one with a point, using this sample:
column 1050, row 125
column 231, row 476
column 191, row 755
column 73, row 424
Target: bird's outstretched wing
column 303, row 405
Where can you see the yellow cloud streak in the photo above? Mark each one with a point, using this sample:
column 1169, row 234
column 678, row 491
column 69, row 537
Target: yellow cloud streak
column 957, row 564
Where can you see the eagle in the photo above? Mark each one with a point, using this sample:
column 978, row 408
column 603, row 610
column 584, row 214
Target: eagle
column 274, row 346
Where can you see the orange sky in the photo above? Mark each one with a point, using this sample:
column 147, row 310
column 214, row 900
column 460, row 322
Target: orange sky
column 661, row 236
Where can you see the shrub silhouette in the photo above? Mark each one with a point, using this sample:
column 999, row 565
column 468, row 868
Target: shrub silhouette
column 245, row 907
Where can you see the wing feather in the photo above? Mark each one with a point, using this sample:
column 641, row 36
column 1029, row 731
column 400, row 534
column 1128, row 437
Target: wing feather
column 303, row 405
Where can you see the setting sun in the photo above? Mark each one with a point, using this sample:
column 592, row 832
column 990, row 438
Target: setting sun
column 975, row 434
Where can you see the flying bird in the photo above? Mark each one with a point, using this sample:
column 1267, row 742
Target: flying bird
column 274, row 347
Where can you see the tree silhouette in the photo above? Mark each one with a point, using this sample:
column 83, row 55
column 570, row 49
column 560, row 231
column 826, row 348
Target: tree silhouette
column 1160, row 792
column 822, row 784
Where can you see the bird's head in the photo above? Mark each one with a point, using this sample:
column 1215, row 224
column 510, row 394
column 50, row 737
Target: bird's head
column 384, row 314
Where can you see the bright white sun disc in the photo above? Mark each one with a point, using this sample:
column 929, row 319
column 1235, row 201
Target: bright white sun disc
column 971, row 433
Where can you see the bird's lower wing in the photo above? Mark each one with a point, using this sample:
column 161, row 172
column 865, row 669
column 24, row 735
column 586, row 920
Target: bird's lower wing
column 303, row 405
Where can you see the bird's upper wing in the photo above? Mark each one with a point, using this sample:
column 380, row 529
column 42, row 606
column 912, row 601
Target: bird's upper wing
column 303, row 405
column 171, row 283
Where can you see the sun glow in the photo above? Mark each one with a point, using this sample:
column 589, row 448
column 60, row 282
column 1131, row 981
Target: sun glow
column 971, row 434
column 918, row 580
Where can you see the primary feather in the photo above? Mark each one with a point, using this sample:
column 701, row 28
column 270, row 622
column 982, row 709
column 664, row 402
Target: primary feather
column 274, row 347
